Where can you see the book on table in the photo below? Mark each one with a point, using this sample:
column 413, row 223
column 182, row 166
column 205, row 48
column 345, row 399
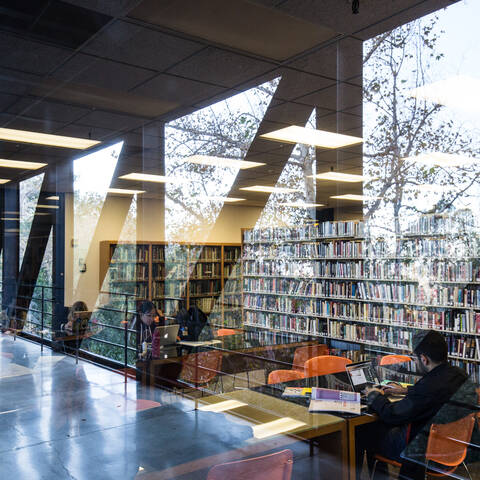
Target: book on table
column 328, row 400
column 297, row 392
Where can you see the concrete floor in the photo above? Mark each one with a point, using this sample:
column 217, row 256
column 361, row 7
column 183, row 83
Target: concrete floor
column 59, row 420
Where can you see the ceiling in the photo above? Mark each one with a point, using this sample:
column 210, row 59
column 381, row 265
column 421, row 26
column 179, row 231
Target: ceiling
column 120, row 69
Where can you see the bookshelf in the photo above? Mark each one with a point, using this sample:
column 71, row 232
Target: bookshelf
column 339, row 281
column 206, row 275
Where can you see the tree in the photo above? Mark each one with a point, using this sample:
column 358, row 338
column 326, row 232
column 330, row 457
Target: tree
column 400, row 124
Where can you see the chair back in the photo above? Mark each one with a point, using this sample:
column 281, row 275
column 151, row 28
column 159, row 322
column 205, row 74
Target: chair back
column 448, row 442
column 325, row 364
column 391, row 359
column 302, row 354
column 223, row 332
column 200, row 368
column 276, row 466
column 280, row 376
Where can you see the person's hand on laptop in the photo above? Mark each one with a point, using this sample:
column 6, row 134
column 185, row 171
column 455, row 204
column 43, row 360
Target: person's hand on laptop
column 394, row 388
column 369, row 390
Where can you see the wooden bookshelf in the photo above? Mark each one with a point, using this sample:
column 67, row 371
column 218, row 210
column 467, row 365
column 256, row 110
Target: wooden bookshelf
column 170, row 273
column 334, row 281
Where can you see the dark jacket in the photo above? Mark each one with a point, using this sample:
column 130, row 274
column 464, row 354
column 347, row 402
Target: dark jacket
column 423, row 400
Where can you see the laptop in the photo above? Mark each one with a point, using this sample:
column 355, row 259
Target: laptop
column 80, row 322
column 167, row 334
column 362, row 375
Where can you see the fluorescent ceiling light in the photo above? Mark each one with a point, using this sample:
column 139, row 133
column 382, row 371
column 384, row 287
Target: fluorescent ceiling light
column 430, row 188
column 275, row 427
column 146, row 177
column 12, row 230
column 42, row 213
column 442, row 159
column 309, row 136
column 267, row 189
column 24, row 136
column 48, row 206
column 222, row 406
column 356, row 198
column 341, row 177
column 10, row 219
column 3, row 180
column 222, row 162
column 125, row 191
column 19, row 164
column 455, row 92
column 222, row 199
column 53, row 197
column 302, row 205
column 12, row 213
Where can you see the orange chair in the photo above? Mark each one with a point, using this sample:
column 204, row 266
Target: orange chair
column 447, row 445
column 302, row 354
column 391, row 359
column 223, row 332
column 280, row 376
column 276, row 466
column 325, row 364
column 200, row 368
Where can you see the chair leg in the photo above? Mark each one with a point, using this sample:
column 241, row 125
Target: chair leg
column 373, row 469
column 310, row 444
column 467, row 470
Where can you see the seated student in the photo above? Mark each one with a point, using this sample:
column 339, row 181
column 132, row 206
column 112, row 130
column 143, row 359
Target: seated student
column 145, row 321
column 66, row 329
column 422, row 401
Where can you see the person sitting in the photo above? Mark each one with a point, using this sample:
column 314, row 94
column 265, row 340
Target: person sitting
column 66, row 328
column 405, row 418
column 144, row 322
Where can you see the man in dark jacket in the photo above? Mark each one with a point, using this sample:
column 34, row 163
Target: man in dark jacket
column 401, row 421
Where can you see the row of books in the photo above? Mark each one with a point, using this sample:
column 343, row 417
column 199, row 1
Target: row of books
column 231, row 269
column 472, row 369
column 447, row 247
column 204, row 304
column 265, row 337
column 128, row 272
column 442, row 224
column 231, row 254
column 208, row 287
column 206, row 253
column 167, row 306
column 130, row 253
column 139, row 290
column 204, row 270
column 277, row 321
column 324, row 229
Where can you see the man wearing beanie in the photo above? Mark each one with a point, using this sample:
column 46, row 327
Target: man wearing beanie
column 405, row 418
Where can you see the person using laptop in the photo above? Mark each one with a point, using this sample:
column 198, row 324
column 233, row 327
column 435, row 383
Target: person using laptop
column 145, row 321
column 401, row 421
column 67, row 328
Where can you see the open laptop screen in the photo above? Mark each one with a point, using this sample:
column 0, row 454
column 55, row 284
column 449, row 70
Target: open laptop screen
column 167, row 334
column 362, row 375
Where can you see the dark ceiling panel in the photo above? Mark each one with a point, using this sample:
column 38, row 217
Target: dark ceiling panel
column 177, row 90
column 29, row 56
column 113, row 121
column 143, row 47
column 104, row 98
column 239, row 24
column 51, row 21
column 220, row 67
column 101, row 73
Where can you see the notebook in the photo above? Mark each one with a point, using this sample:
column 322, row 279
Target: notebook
column 167, row 334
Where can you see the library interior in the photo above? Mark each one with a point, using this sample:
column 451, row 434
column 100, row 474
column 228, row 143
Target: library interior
column 239, row 240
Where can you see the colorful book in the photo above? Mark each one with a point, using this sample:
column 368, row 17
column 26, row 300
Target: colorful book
column 328, row 400
column 299, row 392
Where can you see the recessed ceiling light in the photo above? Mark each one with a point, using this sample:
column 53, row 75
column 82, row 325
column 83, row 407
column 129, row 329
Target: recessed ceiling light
column 25, row 136
column 53, row 197
column 4, row 180
column 223, row 199
column 267, row 189
column 430, row 188
column 341, row 177
column 459, row 91
column 222, row 406
column 302, row 205
column 356, row 198
column 442, row 159
column 309, row 136
column 146, row 177
column 222, row 162
column 125, row 191
column 19, row 164
column 276, row 427
column 48, row 206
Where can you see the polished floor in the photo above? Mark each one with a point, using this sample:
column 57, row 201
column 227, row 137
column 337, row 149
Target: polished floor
column 60, row 420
